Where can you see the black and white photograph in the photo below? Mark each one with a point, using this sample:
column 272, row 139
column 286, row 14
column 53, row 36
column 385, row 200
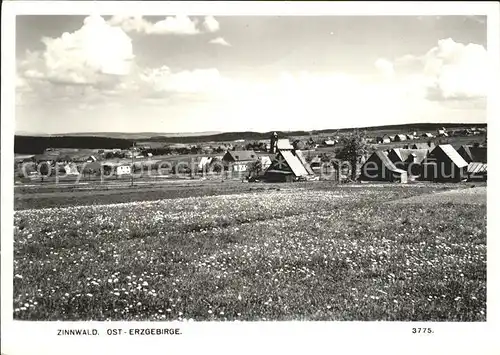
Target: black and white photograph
column 207, row 167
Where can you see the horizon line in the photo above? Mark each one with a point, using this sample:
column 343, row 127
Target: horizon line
column 208, row 133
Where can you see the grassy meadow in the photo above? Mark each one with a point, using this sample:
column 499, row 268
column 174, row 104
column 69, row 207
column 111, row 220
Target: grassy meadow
column 353, row 253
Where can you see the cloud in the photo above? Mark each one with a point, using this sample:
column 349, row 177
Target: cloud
column 163, row 81
column 460, row 71
column 88, row 56
column 175, row 25
column 211, row 24
column 219, row 40
column 448, row 71
column 385, row 67
column 478, row 19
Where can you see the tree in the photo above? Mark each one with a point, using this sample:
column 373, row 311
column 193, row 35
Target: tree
column 44, row 169
column 195, row 149
column 254, row 168
column 354, row 147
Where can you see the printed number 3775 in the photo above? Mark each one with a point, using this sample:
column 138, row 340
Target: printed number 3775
column 422, row 330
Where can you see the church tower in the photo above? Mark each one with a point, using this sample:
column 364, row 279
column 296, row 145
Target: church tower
column 274, row 140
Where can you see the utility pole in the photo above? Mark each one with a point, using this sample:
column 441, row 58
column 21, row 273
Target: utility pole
column 132, row 168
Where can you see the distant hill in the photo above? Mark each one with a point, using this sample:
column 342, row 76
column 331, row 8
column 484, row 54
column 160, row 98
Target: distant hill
column 248, row 135
column 25, row 144
column 37, row 145
column 120, row 135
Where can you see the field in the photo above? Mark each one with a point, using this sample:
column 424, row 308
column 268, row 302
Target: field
column 311, row 252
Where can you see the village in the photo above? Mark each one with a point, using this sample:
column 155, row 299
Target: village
column 341, row 216
column 444, row 155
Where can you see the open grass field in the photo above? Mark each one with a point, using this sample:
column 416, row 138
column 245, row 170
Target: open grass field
column 317, row 252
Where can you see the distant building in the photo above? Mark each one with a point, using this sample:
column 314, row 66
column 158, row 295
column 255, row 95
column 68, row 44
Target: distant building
column 427, row 135
column 238, row 160
column 329, row 143
column 123, row 170
column 399, row 138
column 383, row 140
column 442, row 133
column 71, row 169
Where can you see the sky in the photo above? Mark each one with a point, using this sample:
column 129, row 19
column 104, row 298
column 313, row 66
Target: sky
column 236, row 73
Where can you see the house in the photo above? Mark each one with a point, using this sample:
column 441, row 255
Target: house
column 329, row 143
column 442, row 133
column 408, row 160
column 399, row 138
column 383, row 139
column 477, row 172
column 474, row 154
column 392, row 138
column 71, row 169
column 378, row 167
column 444, row 164
column 286, row 167
column 410, row 137
column 427, row 135
column 122, row 169
column 238, row 160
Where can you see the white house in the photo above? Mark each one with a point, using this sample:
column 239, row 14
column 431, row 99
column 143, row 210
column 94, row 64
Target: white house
column 123, row 170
